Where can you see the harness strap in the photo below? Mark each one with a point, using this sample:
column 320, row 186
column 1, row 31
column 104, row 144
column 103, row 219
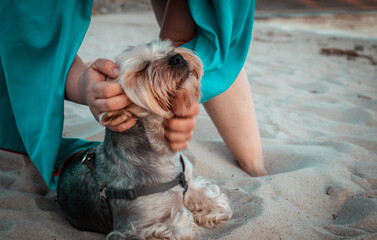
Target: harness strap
column 88, row 161
column 133, row 193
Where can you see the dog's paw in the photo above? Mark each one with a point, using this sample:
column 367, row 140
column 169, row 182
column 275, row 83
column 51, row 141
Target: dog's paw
column 209, row 206
column 180, row 225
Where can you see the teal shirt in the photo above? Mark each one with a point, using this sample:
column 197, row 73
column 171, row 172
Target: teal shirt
column 38, row 42
column 224, row 29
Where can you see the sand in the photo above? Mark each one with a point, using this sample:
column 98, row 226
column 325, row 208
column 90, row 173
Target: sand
column 318, row 121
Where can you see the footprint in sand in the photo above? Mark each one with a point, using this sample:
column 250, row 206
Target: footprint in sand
column 6, row 226
column 356, row 218
column 245, row 206
column 292, row 157
column 367, row 171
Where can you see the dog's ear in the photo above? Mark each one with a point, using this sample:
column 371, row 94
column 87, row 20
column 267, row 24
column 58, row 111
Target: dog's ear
column 137, row 86
column 123, row 115
column 115, row 117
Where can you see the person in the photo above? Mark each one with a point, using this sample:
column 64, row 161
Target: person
column 220, row 32
column 39, row 68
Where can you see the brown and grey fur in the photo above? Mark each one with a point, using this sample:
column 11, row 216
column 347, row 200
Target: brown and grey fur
column 141, row 157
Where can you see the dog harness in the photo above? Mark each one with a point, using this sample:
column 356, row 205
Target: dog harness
column 131, row 194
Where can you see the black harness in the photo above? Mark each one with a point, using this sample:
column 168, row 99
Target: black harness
column 131, row 194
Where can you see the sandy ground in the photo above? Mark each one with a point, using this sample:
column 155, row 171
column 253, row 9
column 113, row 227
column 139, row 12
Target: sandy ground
column 362, row 25
column 318, row 120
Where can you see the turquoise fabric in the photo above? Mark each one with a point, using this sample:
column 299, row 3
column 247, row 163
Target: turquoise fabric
column 38, row 42
column 224, row 29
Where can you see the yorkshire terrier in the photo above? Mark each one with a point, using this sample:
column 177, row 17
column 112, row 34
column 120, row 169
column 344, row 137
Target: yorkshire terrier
column 133, row 184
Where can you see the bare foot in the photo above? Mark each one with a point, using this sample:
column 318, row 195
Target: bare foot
column 30, row 179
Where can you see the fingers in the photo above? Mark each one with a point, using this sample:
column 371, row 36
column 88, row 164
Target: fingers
column 178, row 131
column 178, row 136
column 106, row 89
column 102, row 95
column 178, row 140
column 111, row 104
column 123, row 126
column 106, row 67
column 180, row 125
column 194, row 110
column 177, row 146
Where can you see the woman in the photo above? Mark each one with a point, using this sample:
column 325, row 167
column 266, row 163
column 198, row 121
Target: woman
column 39, row 68
column 220, row 32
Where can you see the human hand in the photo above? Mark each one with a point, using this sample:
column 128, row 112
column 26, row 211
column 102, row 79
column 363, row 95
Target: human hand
column 179, row 130
column 105, row 96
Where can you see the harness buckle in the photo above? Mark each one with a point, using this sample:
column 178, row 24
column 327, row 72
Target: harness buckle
column 131, row 194
column 88, row 160
column 182, row 179
column 102, row 193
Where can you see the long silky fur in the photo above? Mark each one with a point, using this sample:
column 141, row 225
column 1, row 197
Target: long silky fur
column 142, row 157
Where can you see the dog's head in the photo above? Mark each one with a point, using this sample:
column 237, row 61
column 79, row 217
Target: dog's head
column 158, row 79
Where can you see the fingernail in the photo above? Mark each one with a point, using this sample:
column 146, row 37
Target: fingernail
column 116, row 71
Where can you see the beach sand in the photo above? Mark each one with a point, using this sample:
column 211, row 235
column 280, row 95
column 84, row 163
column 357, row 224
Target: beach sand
column 317, row 115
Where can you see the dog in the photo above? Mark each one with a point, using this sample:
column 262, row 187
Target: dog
column 133, row 184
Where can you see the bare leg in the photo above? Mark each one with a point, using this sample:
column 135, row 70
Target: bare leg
column 159, row 8
column 232, row 111
column 234, row 117
column 175, row 20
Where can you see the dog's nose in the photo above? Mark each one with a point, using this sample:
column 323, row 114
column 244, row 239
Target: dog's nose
column 177, row 60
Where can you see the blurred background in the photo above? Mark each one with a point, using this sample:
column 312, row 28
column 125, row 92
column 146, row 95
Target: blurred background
column 264, row 8
column 267, row 8
column 344, row 17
